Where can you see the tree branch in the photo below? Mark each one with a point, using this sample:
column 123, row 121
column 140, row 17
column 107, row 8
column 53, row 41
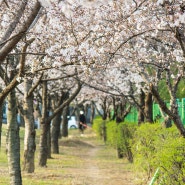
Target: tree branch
column 35, row 86
column 13, row 25
column 68, row 101
column 8, row 47
column 14, row 82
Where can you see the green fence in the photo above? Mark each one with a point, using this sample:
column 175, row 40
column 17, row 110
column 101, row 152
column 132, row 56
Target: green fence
column 132, row 116
column 157, row 114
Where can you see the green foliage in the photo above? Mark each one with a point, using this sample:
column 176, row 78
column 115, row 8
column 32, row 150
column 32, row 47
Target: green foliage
column 153, row 147
column 172, row 161
column 117, row 136
column 163, row 90
column 181, row 89
column 111, row 132
column 125, row 133
column 144, row 148
column 97, row 126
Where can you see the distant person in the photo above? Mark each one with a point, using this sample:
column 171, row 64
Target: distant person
column 82, row 122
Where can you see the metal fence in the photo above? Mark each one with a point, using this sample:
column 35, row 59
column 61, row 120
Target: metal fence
column 157, row 114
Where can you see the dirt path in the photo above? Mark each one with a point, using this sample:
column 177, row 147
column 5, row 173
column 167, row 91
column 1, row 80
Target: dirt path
column 96, row 163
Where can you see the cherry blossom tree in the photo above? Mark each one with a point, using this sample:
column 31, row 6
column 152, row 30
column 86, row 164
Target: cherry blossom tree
column 147, row 46
column 119, row 48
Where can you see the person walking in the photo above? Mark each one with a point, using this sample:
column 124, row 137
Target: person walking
column 82, row 122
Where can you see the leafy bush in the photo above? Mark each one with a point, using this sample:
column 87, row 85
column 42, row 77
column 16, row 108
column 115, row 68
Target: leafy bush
column 117, row 136
column 98, row 124
column 171, row 157
column 150, row 146
column 111, row 132
column 125, row 132
column 156, row 147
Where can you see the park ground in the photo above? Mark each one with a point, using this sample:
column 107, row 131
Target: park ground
column 83, row 160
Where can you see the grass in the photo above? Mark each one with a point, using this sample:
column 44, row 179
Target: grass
column 83, row 160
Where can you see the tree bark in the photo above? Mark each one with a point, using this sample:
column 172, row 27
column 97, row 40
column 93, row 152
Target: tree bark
column 1, row 117
column 55, row 133
column 43, row 152
column 49, row 141
column 92, row 113
column 172, row 114
column 148, row 108
column 141, row 116
column 65, row 122
column 13, row 141
column 29, row 138
column 55, row 128
column 167, row 122
column 48, row 127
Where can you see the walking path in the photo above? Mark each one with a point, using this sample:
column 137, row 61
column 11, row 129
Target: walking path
column 96, row 163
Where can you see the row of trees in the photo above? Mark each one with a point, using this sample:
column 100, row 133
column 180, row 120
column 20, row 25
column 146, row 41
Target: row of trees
column 111, row 54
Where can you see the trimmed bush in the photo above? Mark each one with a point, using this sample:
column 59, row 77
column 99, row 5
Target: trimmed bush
column 171, row 157
column 111, row 132
column 117, row 136
column 99, row 126
column 156, row 147
column 150, row 147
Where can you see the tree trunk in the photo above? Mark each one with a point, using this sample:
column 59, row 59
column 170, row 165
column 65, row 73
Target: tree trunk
column 141, row 116
column 45, row 121
column 92, row 113
column 1, row 117
column 65, row 122
column 172, row 114
column 104, row 131
column 49, row 141
column 48, row 127
column 43, row 151
column 55, row 129
column 13, row 141
column 55, row 133
column 38, row 114
column 167, row 122
column 148, row 108
column 29, row 138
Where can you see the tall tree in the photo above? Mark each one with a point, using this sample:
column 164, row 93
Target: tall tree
column 45, row 121
column 30, row 133
column 13, row 141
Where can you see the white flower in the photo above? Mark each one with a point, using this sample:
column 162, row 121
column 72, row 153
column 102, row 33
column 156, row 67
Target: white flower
column 160, row 2
column 45, row 3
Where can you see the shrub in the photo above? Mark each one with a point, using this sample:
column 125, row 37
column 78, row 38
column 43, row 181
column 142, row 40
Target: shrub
column 171, row 157
column 116, row 135
column 156, row 147
column 111, row 132
column 99, row 126
column 125, row 132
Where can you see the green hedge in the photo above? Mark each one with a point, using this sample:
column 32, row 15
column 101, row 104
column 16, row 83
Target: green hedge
column 117, row 136
column 150, row 147
column 155, row 147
